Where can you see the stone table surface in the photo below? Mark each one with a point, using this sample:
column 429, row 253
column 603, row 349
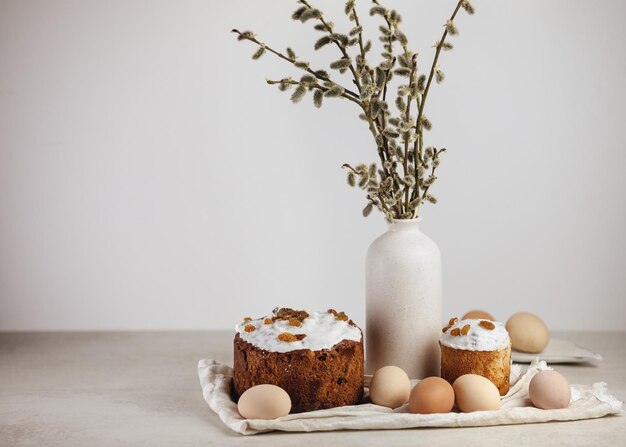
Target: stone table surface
column 141, row 388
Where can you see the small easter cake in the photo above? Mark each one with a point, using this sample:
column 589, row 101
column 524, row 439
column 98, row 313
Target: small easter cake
column 476, row 346
column 317, row 358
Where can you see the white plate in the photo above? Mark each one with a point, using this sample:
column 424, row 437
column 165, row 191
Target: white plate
column 559, row 351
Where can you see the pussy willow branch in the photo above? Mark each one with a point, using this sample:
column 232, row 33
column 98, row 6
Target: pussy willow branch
column 373, row 130
column 435, row 60
column 417, row 161
column 383, row 204
column 291, row 61
column 361, row 47
column 317, row 86
column 419, row 144
column 395, row 195
column 383, row 121
column 369, row 197
column 407, row 116
column 390, row 28
column 380, row 123
column 341, row 47
column 356, row 22
column 432, row 173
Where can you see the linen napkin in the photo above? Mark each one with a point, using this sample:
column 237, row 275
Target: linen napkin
column 588, row 401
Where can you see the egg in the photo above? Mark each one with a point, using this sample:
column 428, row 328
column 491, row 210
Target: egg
column 431, row 395
column 475, row 393
column 528, row 332
column 264, row 402
column 478, row 315
column 549, row 390
column 390, row 387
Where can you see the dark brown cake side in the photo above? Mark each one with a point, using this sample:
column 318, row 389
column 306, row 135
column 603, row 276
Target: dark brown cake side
column 313, row 379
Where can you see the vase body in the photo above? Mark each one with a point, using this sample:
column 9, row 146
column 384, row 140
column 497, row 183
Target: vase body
column 403, row 301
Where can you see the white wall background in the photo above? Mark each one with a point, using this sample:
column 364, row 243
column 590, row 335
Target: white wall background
column 150, row 179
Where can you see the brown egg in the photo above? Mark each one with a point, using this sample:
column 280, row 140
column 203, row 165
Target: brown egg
column 475, row 393
column 528, row 332
column 264, row 402
column 549, row 390
column 390, row 387
column 431, row 395
column 478, row 315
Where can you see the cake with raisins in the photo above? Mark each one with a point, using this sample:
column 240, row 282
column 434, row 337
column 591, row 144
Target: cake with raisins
column 316, row 358
column 476, row 346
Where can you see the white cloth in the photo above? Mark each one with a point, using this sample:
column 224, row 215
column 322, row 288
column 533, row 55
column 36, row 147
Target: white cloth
column 588, row 401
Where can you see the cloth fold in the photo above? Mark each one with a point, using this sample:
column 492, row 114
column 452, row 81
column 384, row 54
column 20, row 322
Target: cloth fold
column 588, row 401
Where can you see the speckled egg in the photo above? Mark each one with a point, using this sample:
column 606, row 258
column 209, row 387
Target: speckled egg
column 264, row 402
column 431, row 395
column 475, row 393
column 390, row 387
column 528, row 332
column 549, row 390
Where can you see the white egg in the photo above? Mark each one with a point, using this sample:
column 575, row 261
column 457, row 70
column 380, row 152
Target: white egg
column 264, row 402
column 390, row 387
column 475, row 393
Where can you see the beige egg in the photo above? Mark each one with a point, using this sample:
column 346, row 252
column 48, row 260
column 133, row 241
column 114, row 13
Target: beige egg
column 264, row 402
column 475, row 393
column 390, row 387
column 431, row 395
column 549, row 390
column 528, row 332
column 478, row 315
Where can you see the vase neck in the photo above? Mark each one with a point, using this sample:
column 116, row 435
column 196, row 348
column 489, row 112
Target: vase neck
column 405, row 224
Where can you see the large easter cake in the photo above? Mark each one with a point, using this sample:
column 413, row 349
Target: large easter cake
column 316, row 358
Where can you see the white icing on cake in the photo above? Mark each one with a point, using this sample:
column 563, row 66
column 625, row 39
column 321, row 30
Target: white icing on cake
column 323, row 331
column 478, row 338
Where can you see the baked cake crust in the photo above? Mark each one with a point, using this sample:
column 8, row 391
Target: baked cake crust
column 476, row 346
column 313, row 379
column 494, row 365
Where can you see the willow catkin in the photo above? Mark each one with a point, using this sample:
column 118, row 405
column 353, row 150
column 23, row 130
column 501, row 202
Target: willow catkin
column 400, row 180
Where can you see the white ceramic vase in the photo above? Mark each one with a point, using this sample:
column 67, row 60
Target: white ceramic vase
column 403, row 301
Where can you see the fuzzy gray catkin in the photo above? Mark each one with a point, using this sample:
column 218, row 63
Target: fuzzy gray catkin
column 400, row 183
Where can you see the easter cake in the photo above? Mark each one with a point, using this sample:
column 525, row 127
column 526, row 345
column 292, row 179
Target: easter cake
column 476, row 346
column 316, row 358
